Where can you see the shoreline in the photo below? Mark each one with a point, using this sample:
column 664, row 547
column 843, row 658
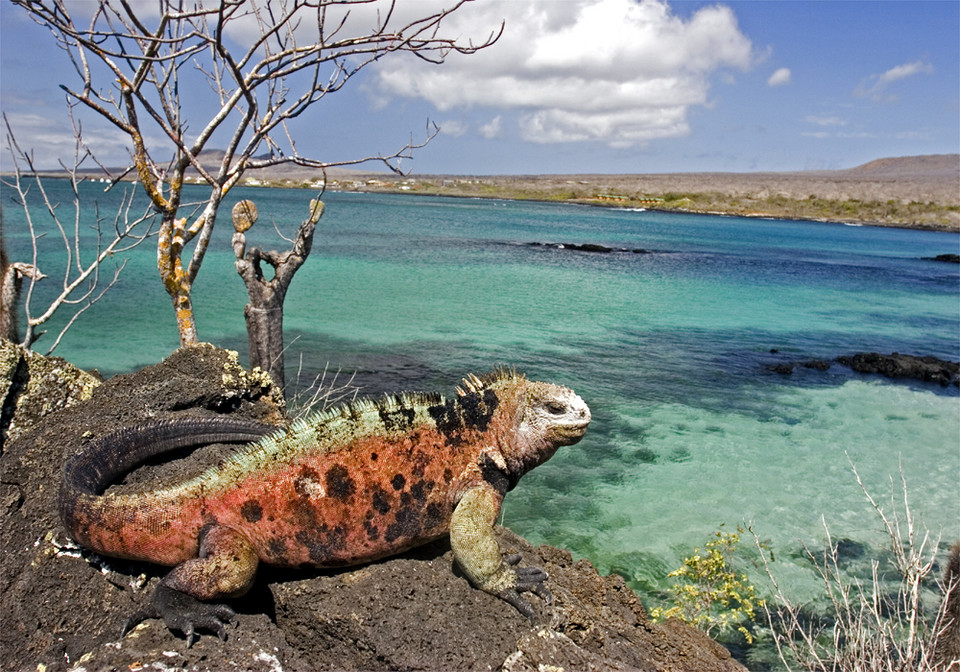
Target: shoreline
column 917, row 203
column 913, row 193
column 908, row 226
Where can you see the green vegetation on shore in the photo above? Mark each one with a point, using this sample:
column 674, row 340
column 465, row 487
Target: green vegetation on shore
column 898, row 203
column 891, row 212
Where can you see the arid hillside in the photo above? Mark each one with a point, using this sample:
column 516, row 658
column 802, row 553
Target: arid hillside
column 917, row 191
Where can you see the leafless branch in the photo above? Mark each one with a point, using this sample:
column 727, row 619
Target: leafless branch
column 80, row 279
column 266, row 63
column 871, row 624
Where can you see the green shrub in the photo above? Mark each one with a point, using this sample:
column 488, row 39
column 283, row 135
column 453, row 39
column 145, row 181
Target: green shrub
column 709, row 594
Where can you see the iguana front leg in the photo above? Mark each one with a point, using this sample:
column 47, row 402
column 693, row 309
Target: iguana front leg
column 225, row 568
column 478, row 553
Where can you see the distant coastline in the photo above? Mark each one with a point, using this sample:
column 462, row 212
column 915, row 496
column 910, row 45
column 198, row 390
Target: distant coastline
column 918, row 192
column 921, row 192
column 910, row 215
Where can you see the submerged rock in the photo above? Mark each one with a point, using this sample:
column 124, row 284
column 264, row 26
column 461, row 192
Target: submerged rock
column 594, row 247
column 948, row 258
column 896, row 365
column 63, row 607
column 784, row 368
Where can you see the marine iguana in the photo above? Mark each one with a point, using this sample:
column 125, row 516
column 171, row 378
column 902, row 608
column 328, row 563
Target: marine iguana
column 343, row 487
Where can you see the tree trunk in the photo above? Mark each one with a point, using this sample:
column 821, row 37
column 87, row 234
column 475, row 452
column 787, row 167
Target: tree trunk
column 175, row 280
column 264, row 313
column 265, row 337
column 9, row 292
column 183, row 307
column 11, row 282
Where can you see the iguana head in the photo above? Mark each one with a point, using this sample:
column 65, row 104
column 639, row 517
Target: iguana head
column 534, row 418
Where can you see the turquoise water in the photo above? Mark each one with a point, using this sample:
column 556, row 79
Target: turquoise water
column 669, row 348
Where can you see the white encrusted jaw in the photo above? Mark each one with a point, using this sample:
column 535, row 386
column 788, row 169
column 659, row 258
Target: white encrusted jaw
column 556, row 416
column 575, row 418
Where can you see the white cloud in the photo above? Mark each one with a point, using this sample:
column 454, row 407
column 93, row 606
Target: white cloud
column 493, row 128
column 51, row 137
column 905, row 70
column 860, row 135
column 922, row 134
column 825, row 121
column 780, row 77
column 619, row 71
column 875, row 86
column 453, row 128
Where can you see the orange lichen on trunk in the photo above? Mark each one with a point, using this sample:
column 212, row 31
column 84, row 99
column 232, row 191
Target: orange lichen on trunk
column 175, row 279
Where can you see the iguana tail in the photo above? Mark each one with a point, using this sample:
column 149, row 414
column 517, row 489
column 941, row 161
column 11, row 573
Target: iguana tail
column 89, row 472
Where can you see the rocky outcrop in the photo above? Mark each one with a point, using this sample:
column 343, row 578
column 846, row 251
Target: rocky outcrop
column 591, row 247
column 896, row 365
column 946, row 258
column 33, row 386
column 63, row 608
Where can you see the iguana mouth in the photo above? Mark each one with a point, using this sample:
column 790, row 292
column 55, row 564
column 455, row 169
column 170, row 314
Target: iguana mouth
column 573, row 432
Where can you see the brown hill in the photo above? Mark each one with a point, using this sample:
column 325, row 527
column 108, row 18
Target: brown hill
column 929, row 165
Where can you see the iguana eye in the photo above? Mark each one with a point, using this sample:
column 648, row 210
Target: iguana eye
column 555, row 408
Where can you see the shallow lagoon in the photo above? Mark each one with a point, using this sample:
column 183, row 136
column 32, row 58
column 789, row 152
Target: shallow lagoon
column 669, row 348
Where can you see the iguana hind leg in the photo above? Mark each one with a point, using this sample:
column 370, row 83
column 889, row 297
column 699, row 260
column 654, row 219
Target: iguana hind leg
column 183, row 613
column 224, row 569
column 478, row 553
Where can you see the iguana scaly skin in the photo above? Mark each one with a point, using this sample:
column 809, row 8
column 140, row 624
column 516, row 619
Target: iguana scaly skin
column 347, row 486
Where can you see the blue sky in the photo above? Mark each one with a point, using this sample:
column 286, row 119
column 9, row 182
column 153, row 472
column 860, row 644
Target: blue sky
column 615, row 86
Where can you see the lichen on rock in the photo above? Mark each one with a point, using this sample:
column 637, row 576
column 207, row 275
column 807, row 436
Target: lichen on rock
column 33, row 386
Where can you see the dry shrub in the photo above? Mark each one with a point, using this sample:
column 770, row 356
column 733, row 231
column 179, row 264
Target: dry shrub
column 874, row 625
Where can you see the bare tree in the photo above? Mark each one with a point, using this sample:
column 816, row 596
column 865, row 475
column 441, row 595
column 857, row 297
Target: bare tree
column 265, row 62
column 264, row 313
column 80, row 281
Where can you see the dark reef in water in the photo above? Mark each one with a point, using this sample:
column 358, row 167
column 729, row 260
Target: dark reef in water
column 927, row 369
column 603, row 249
column 894, row 366
column 591, row 247
column 948, row 258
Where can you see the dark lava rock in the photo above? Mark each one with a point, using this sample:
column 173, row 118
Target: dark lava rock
column 588, row 247
column 927, row 369
column 948, row 258
column 592, row 247
column 784, row 369
column 32, row 386
column 63, row 608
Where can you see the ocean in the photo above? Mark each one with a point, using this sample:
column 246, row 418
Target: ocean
column 668, row 337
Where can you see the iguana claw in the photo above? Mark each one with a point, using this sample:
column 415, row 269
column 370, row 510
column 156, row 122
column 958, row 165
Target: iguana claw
column 527, row 579
column 183, row 613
